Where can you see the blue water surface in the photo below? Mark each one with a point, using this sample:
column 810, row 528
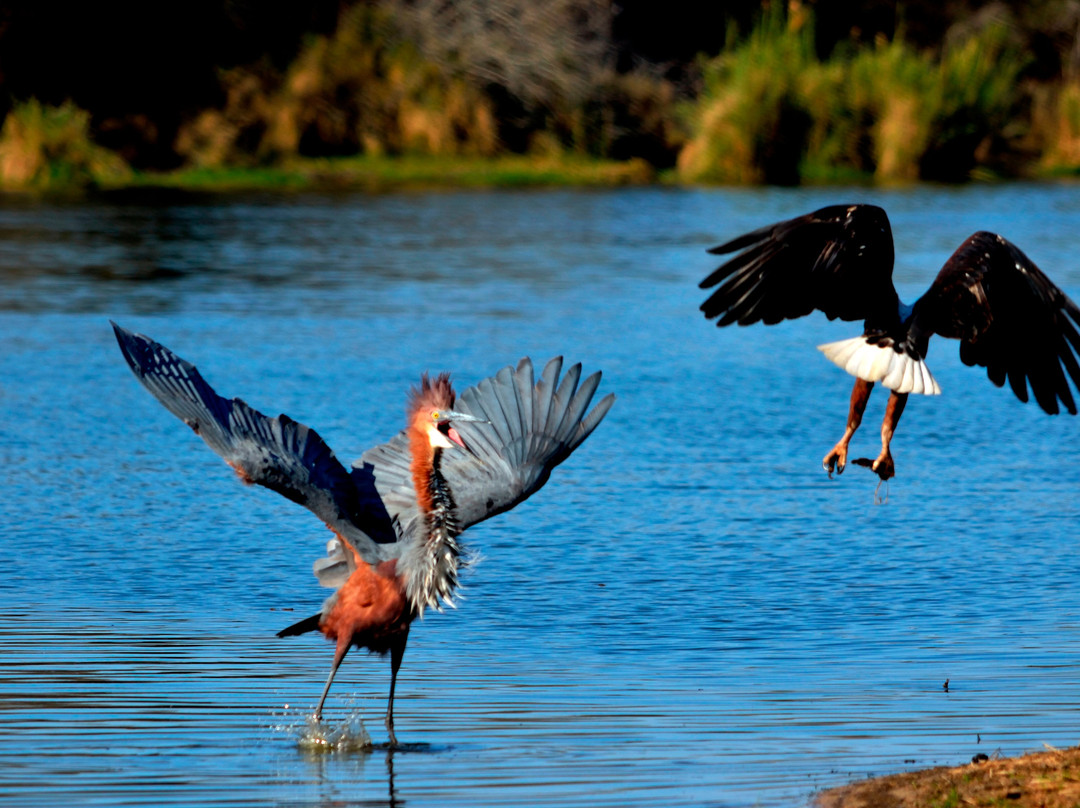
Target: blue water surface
column 690, row 613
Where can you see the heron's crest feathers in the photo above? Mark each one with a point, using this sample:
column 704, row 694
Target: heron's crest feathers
column 432, row 393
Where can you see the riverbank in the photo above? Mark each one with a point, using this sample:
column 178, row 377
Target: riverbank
column 402, row 173
column 1049, row 779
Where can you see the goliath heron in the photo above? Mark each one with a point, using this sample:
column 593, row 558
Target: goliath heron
column 397, row 513
column 1009, row 317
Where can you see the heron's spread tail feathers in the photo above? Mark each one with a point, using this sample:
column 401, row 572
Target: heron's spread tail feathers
column 899, row 371
column 303, row 627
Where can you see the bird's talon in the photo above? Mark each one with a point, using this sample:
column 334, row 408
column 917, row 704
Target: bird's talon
column 883, row 467
column 834, row 461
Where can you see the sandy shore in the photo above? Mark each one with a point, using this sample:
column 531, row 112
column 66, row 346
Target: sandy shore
column 1049, row 779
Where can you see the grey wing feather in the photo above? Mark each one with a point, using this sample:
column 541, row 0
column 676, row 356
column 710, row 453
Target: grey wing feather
column 278, row 453
column 1010, row 317
column 534, row 427
column 388, row 468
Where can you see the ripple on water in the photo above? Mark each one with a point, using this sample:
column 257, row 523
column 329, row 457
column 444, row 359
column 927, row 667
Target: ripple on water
column 690, row 613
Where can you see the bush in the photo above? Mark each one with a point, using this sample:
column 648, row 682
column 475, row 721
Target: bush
column 44, row 147
column 361, row 90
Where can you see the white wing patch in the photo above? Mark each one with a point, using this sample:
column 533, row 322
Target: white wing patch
column 333, row 570
column 872, row 363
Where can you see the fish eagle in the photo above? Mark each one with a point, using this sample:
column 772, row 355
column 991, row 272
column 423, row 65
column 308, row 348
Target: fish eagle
column 1009, row 317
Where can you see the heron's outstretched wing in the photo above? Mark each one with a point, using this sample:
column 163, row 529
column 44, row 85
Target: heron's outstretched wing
column 838, row 259
column 279, row 453
column 1010, row 318
column 532, row 429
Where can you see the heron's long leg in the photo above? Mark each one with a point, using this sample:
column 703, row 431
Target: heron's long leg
column 397, row 651
column 884, row 465
column 837, row 458
column 342, row 649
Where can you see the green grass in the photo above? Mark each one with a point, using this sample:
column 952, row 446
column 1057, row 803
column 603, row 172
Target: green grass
column 395, row 173
column 951, row 800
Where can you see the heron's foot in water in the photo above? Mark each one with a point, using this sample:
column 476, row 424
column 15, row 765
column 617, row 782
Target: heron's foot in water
column 836, row 460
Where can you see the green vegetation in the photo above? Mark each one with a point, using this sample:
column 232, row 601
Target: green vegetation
column 771, row 111
column 1056, row 120
column 421, row 93
column 950, row 800
column 382, row 173
column 44, row 148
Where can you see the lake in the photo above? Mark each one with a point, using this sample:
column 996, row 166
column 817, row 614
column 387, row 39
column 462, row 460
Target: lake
column 690, row 613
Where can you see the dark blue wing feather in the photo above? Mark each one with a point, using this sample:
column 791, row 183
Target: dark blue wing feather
column 278, row 453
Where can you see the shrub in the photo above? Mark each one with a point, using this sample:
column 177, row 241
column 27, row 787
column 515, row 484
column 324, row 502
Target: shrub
column 361, row 90
column 46, row 147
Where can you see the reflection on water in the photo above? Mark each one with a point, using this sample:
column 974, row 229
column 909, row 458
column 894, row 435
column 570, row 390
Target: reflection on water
column 690, row 613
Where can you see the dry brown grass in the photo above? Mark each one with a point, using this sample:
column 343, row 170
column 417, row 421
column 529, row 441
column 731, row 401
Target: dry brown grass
column 1048, row 779
column 1055, row 125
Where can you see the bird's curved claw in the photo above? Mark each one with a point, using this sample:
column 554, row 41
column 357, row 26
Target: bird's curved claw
column 835, row 460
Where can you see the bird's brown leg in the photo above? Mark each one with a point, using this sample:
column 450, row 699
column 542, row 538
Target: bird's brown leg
column 342, row 649
column 884, row 465
column 837, row 458
column 397, row 651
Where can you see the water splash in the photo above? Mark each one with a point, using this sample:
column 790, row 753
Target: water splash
column 320, row 737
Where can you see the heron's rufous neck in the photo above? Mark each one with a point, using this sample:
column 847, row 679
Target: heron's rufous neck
column 422, row 466
column 433, row 395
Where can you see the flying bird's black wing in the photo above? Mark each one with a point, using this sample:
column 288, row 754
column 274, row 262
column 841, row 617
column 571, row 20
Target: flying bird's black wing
column 838, row 259
column 278, row 453
column 1010, row 319
column 533, row 428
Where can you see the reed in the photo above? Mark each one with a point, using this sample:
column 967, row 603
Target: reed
column 748, row 125
column 772, row 111
column 1055, row 128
